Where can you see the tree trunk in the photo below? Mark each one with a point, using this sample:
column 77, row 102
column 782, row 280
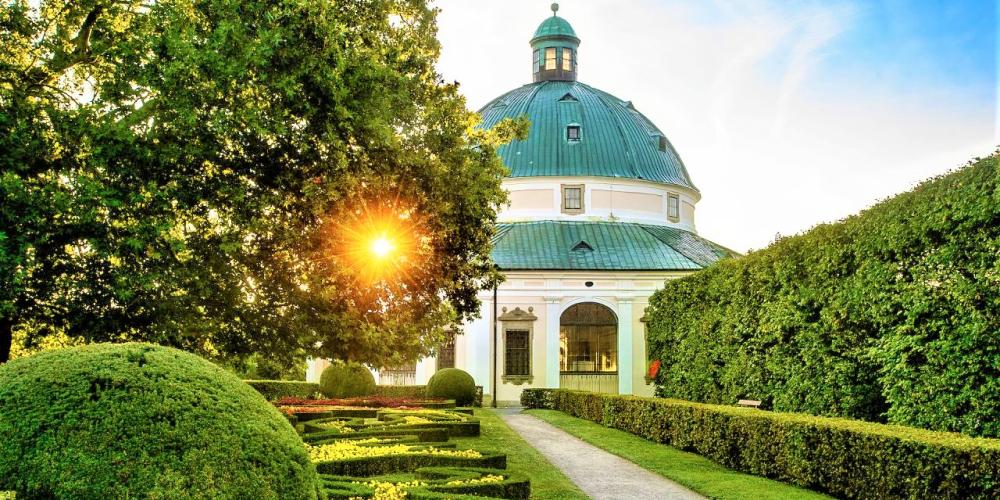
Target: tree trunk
column 6, row 338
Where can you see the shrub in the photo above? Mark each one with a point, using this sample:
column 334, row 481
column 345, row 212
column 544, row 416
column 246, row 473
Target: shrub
column 847, row 458
column 273, row 390
column 452, row 383
column 137, row 420
column 391, row 464
column 891, row 315
column 346, row 380
column 419, row 391
column 537, row 399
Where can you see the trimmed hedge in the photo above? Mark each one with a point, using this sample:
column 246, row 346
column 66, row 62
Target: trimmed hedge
column 423, row 434
column 139, row 420
column 346, row 380
column 452, row 383
column 846, row 458
column 890, row 315
column 374, row 466
column 419, row 391
column 513, row 486
column 276, row 389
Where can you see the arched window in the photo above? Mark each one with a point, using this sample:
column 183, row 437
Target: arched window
column 588, row 339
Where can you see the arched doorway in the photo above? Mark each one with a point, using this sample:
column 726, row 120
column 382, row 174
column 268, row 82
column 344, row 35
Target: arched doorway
column 588, row 348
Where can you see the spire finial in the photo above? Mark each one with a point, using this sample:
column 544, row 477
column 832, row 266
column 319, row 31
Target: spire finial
column 555, row 8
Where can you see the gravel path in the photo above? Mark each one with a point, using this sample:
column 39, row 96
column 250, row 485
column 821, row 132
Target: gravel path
column 598, row 473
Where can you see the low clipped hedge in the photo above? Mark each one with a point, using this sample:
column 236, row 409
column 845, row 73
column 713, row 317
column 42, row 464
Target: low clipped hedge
column 890, row 315
column 273, row 390
column 374, row 466
column 846, row 458
column 423, row 434
column 514, row 486
column 419, row 391
column 142, row 421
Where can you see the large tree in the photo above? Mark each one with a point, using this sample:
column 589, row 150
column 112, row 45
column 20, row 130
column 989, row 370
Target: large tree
column 202, row 173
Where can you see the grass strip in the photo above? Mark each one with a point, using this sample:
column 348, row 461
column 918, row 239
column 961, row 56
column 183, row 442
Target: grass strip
column 547, row 482
column 689, row 469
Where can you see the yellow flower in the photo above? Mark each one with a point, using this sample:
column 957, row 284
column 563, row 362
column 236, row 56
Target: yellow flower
column 344, row 450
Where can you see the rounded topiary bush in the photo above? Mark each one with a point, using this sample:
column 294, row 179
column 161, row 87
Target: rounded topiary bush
column 137, row 421
column 452, row 383
column 346, row 380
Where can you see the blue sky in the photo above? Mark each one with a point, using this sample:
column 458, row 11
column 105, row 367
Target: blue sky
column 787, row 114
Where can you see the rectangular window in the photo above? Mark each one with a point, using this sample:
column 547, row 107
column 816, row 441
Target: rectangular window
column 550, row 58
column 572, row 199
column 567, row 59
column 534, row 62
column 517, row 352
column 446, row 352
column 573, row 133
column 674, row 207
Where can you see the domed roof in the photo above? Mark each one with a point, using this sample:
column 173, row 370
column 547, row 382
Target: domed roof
column 615, row 139
column 554, row 26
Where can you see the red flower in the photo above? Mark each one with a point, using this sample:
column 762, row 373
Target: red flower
column 654, row 368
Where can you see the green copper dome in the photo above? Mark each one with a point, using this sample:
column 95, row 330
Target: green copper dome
column 613, row 138
column 554, row 26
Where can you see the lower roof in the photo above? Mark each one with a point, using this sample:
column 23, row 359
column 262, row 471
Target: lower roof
column 601, row 246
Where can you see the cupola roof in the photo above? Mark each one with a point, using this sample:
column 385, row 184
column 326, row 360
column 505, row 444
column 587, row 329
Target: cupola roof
column 554, row 26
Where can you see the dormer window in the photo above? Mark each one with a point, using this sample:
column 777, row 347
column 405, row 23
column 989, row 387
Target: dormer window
column 573, row 133
column 572, row 197
column 550, row 58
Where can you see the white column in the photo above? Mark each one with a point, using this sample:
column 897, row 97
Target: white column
column 625, row 354
column 552, row 306
column 477, row 345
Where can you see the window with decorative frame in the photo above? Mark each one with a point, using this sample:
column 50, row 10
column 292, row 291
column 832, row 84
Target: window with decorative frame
column 572, row 198
column 518, row 325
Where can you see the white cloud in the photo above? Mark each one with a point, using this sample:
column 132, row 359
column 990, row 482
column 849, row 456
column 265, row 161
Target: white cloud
column 776, row 140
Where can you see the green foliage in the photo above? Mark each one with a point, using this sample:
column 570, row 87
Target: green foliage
column 373, row 466
column 276, row 389
column 890, row 315
column 179, row 171
column 137, row 420
column 401, row 391
column 688, row 469
column 345, row 380
column 846, row 458
column 536, row 399
column 452, row 383
column 435, row 484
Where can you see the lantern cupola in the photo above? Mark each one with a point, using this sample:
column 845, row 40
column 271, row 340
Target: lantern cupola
column 554, row 48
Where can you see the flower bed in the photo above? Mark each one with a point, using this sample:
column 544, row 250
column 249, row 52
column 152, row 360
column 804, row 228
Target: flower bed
column 458, row 483
column 369, row 402
column 352, row 454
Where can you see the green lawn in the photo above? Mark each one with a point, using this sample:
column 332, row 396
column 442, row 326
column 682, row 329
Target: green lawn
column 691, row 470
column 547, row 482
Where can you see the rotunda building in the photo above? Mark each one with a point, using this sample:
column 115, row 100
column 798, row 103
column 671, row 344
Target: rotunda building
column 602, row 212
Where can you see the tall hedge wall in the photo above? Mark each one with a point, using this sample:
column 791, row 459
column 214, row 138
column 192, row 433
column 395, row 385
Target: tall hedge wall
column 890, row 315
column 846, row 458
